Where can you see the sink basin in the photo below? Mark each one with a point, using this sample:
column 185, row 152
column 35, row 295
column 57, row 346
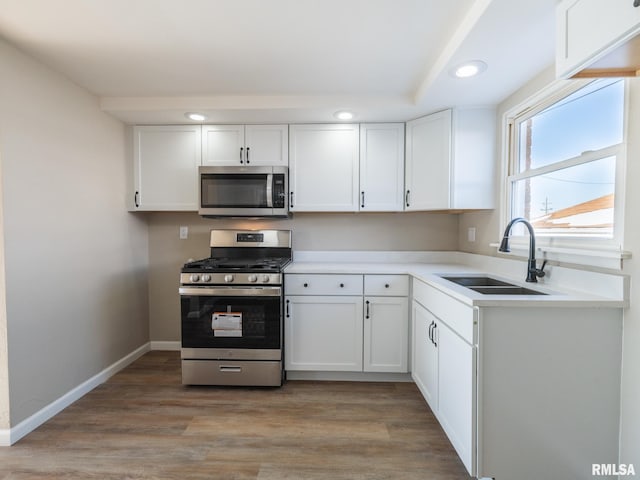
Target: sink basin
column 506, row 290
column 479, row 282
column 492, row 286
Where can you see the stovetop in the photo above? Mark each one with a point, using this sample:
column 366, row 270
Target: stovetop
column 222, row 265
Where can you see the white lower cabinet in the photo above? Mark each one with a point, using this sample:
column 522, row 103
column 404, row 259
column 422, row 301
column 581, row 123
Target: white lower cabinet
column 323, row 333
column 425, row 354
column 444, row 368
column 457, row 392
column 386, row 331
column 331, row 324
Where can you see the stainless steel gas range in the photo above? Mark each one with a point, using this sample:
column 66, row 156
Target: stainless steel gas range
column 232, row 310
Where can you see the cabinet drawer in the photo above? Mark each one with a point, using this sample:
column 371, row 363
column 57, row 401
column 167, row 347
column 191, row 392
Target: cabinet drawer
column 458, row 316
column 386, row 285
column 321, row 284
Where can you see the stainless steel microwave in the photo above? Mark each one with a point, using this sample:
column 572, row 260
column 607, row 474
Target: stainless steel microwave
column 243, row 191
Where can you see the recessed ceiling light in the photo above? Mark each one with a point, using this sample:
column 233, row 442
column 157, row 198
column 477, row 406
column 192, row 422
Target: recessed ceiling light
column 196, row 117
column 343, row 115
column 469, row 69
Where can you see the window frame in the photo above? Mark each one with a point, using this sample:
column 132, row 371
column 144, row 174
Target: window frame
column 552, row 246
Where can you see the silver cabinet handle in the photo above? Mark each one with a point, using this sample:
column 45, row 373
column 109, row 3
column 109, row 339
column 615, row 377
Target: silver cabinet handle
column 247, row 155
column 362, row 202
column 367, row 315
column 287, row 309
column 290, row 199
column 241, row 149
column 406, row 197
column 136, row 199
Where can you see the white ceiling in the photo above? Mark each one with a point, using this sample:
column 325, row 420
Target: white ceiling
column 245, row 61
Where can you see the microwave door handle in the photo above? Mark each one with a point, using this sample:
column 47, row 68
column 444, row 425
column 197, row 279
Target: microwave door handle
column 270, row 190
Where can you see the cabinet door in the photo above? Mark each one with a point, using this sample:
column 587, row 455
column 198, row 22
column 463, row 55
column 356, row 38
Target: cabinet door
column 428, row 162
column 425, row 355
column 381, row 167
column 323, row 333
column 386, row 329
column 589, row 29
column 223, row 145
column 166, row 160
column 267, row 145
column 323, row 168
column 457, row 393
column 473, row 156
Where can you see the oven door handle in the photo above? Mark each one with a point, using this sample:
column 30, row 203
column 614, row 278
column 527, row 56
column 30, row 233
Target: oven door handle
column 269, row 190
column 231, row 291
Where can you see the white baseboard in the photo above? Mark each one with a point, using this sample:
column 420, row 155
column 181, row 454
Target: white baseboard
column 348, row 376
column 5, row 437
column 11, row 436
column 167, row 346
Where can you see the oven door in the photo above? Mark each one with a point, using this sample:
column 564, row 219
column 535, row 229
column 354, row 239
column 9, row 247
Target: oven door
column 242, row 323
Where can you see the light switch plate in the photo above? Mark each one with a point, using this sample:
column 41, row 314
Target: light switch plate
column 184, row 232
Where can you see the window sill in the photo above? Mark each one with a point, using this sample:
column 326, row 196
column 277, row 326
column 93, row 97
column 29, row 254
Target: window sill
column 600, row 258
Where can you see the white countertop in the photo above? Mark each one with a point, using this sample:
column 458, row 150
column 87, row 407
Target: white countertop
column 557, row 295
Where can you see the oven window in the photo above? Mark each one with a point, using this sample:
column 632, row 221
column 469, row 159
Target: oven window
column 234, row 190
column 231, row 322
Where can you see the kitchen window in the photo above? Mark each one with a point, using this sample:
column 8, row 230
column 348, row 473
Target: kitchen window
column 566, row 164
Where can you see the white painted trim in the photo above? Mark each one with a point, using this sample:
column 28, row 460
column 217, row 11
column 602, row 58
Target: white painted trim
column 166, row 346
column 11, row 436
column 465, row 28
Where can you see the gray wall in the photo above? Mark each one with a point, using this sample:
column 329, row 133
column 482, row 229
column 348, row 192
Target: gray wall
column 4, row 357
column 75, row 260
column 488, row 225
column 312, row 231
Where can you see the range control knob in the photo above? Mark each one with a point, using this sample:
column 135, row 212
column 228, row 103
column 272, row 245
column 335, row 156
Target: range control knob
column 228, row 278
column 206, row 278
column 194, row 278
column 253, row 278
column 265, row 278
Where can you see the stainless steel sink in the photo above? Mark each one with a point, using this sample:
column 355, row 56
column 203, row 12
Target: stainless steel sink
column 491, row 286
column 507, row 290
column 478, row 282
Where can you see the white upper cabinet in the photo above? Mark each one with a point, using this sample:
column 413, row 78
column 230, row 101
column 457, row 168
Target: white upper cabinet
column 427, row 166
column 450, row 160
column 166, row 160
column 245, row 145
column 381, row 167
column 599, row 36
column 323, row 168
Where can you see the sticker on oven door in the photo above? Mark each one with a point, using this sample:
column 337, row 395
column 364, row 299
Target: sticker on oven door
column 226, row 324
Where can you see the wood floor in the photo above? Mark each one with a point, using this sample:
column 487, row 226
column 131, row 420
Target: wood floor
column 143, row 424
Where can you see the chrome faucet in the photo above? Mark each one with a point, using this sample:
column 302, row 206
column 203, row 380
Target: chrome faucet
column 533, row 272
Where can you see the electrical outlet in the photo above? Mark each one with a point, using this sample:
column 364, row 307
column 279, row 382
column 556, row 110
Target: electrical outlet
column 184, row 232
column 471, row 234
